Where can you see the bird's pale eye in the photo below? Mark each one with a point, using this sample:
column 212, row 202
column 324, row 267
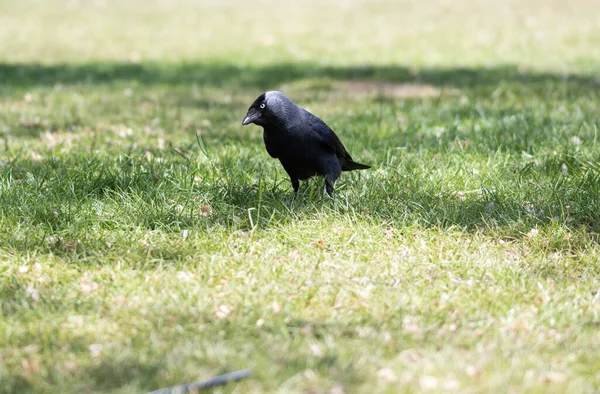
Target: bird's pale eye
column 263, row 105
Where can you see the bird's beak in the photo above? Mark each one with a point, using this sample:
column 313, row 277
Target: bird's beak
column 252, row 115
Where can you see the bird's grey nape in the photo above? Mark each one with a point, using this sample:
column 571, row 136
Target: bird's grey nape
column 286, row 110
column 275, row 97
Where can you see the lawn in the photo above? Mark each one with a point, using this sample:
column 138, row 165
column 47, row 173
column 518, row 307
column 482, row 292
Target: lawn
column 147, row 239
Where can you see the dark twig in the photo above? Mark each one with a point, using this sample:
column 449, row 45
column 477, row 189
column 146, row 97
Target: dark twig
column 212, row 382
column 180, row 153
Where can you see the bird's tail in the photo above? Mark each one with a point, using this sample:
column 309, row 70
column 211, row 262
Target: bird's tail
column 350, row 165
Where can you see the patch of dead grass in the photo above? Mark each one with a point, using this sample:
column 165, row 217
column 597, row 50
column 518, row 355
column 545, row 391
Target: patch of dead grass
column 391, row 89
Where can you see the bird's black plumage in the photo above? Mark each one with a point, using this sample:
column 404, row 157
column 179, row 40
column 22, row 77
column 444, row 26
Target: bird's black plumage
column 302, row 142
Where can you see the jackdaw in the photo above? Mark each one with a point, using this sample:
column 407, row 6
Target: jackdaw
column 303, row 143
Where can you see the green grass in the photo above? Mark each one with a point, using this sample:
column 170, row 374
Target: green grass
column 148, row 240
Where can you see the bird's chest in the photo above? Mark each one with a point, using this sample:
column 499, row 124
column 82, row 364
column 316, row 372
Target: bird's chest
column 297, row 155
column 286, row 144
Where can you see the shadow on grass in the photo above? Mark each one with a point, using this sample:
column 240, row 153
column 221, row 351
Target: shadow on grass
column 31, row 75
column 63, row 202
column 74, row 184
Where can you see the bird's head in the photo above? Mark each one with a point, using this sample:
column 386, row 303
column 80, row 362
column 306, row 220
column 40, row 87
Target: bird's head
column 271, row 108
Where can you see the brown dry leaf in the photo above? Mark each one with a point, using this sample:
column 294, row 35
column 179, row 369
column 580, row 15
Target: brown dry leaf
column 29, row 365
column 445, row 329
column 410, row 325
column 554, row 377
column 478, row 332
column 123, row 132
column 184, row 276
column 88, row 288
column 35, row 156
column 337, row 389
column 33, row 293
column 70, row 245
column 87, row 284
column 294, row 255
column 70, row 366
column 306, row 330
column 473, row 371
column 463, row 144
column 222, row 311
column 276, row 306
column 387, row 375
column 31, row 123
column 206, row 210
column 554, row 335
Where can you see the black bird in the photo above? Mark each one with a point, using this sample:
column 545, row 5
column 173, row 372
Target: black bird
column 303, row 143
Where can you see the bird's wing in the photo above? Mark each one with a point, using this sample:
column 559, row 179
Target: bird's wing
column 330, row 141
column 327, row 137
column 270, row 147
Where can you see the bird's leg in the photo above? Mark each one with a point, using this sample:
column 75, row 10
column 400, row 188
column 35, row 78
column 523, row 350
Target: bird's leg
column 329, row 186
column 332, row 173
column 295, row 185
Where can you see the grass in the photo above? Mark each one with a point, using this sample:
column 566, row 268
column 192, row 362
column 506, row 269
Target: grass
column 148, row 240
